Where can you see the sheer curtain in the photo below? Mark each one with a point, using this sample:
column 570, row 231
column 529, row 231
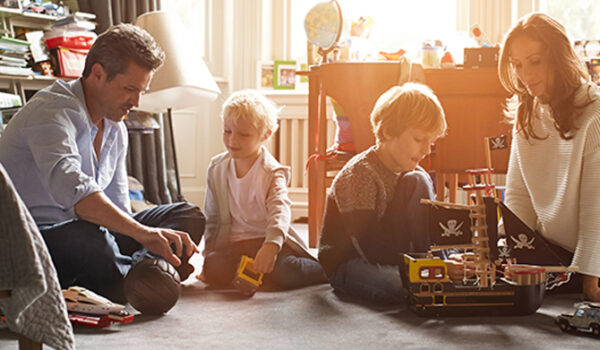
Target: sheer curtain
column 150, row 155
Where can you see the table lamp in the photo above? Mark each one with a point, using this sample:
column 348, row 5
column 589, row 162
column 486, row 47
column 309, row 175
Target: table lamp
column 184, row 79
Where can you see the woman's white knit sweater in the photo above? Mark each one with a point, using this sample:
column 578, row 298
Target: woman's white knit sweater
column 553, row 185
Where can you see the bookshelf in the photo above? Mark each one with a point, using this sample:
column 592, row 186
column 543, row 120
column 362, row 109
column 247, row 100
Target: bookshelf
column 11, row 18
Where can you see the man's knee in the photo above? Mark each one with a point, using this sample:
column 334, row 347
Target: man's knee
column 189, row 218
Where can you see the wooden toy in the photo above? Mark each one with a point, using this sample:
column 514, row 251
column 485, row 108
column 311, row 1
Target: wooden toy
column 499, row 286
column 247, row 280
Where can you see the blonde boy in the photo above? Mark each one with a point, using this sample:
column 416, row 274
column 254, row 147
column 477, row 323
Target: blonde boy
column 373, row 212
column 247, row 205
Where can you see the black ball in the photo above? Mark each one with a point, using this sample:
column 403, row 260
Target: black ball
column 152, row 286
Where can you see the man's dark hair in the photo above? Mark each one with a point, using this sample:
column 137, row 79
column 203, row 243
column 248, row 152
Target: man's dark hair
column 121, row 44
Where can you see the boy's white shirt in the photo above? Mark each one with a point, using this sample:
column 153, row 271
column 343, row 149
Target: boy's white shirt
column 247, row 201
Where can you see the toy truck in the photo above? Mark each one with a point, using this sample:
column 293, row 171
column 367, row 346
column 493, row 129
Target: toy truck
column 586, row 318
column 247, row 280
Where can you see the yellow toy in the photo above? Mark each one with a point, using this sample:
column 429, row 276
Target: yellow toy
column 247, row 280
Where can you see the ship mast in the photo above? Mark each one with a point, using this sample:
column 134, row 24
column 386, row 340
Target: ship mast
column 485, row 270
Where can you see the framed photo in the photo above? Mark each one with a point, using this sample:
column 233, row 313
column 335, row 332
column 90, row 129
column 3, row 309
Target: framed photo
column 264, row 74
column 13, row 4
column 284, row 74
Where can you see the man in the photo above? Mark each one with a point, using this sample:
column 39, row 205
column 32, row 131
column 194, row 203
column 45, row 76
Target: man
column 65, row 152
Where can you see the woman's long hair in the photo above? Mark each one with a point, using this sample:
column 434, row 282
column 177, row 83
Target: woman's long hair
column 567, row 67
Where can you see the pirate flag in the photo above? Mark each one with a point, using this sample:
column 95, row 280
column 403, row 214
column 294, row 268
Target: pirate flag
column 528, row 246
column 449, row 226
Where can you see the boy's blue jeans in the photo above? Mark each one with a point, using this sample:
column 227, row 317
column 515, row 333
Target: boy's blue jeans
column 290, row 271
column 91, row 256
column 408, row 219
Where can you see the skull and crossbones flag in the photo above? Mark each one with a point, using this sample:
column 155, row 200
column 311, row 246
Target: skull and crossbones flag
column 498, row 142
column 528, row 246
column 449, row 226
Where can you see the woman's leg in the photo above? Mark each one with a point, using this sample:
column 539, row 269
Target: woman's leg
column 379, row 283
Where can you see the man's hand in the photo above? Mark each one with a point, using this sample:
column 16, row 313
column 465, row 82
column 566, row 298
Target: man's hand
column 265, row 258
column 160, row 241
column 98, row 208
column 460, row 266
column 591, row 290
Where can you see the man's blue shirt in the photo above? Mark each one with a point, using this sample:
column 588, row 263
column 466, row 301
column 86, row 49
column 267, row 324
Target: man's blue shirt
column 47, row 149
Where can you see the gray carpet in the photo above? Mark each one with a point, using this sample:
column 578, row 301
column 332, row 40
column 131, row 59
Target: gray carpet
column 316, row 318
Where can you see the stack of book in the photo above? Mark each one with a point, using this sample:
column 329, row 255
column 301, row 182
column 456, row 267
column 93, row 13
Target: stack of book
column 13, row 56
column 69, row 42
column 73, row 32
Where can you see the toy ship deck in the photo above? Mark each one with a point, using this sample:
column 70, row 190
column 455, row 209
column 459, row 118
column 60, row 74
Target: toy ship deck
column 433, row 295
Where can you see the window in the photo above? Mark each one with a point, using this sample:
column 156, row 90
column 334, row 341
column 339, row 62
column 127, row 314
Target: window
column 399, row 24
column 580, row 17
column 191, row 13
column 424, row 273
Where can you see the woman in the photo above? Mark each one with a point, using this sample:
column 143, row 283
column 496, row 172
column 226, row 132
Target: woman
column 552, row 181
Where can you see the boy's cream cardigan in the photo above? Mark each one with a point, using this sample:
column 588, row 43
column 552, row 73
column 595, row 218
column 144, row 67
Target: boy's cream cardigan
column 216, row 205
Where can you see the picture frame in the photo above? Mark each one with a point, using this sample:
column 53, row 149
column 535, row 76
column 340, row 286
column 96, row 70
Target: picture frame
column 11, row 4
column 284, row 74
column 264, row 78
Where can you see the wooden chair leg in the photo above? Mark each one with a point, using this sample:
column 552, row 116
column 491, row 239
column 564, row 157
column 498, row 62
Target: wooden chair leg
column 453, row 187
column 440, row 187
column 316, row 201
column 28, row 344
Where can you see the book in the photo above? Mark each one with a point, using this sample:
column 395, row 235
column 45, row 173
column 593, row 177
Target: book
column 15, row 70
column 8, row 100
column 15, row 45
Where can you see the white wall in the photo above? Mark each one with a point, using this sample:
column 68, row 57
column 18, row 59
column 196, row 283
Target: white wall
column 238, row 34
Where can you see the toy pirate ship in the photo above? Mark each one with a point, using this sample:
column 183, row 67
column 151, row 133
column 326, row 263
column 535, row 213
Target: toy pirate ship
column 499, row 286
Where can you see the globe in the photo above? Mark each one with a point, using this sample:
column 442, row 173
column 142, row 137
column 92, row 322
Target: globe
column 324, row 24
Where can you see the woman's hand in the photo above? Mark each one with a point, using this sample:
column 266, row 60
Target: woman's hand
column 591, row 290
column 265, row 258
column 460, row 266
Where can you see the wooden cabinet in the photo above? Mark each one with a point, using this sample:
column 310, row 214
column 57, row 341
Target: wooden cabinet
column 472, row 100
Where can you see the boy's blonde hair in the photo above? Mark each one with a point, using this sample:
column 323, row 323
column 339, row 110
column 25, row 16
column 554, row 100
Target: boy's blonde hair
column 411, row 105
column 254, row 107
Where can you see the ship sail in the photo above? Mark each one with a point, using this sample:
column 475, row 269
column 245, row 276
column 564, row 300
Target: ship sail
column 528, row 246
column 449, row 226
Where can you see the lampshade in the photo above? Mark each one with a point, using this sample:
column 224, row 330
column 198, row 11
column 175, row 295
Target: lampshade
column 184, row 79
